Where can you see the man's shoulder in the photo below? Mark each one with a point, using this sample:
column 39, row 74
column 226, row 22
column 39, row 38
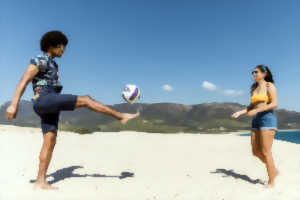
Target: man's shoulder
column 40, row 60
column 40, row 57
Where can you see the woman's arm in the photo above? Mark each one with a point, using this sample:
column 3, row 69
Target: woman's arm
column 29, row 74
column 242, row 112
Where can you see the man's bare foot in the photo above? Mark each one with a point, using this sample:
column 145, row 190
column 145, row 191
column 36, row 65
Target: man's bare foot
column 127, row 117
column 44, row 186
column 271, row 183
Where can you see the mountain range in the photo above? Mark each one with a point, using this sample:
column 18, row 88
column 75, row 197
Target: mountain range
column 155, row 118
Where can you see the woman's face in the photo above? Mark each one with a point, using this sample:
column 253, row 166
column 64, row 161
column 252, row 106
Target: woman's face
column 258, row 74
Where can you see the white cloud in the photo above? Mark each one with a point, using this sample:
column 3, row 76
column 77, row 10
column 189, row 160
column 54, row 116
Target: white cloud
column 167, row 88
column 208, row 86
column 230, row 92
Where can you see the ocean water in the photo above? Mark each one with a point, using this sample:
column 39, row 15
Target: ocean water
column 289, row 136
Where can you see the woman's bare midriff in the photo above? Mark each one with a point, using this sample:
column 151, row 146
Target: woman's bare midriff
column 259, row 105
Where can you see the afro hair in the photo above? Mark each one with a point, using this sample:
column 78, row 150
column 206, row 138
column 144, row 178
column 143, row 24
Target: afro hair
column 53, row 39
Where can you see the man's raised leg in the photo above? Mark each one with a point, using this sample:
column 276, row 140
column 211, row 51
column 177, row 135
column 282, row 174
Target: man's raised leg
column 87, row 101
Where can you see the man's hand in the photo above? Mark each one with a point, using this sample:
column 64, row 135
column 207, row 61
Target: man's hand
column 11, row 112
column 30, row 73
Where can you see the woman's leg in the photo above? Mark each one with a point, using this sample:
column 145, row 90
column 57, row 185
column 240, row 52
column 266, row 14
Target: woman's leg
column 256, row 146
column 45, row 158
column 87, row 101
column 267, row 137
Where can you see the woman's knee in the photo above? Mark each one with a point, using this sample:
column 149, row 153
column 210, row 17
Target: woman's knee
column 255, row 152
column 266, row 152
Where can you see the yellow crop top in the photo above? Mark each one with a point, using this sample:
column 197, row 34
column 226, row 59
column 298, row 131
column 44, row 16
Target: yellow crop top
column 260, row 98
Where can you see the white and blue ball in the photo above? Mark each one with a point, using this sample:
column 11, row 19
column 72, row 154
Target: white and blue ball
column 131, row 93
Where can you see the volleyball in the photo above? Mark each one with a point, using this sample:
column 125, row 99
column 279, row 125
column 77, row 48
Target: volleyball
column 131, row 93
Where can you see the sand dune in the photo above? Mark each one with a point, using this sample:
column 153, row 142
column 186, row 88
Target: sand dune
column 131, row 165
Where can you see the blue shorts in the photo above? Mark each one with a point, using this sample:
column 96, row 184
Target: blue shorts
column 48, row 107
column 264, row 121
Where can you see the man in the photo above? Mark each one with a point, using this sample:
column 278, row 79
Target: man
column 48, row 100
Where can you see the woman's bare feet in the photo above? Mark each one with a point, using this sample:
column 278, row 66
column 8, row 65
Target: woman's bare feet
column 44, row 186
column 126, row 117
column 271, row 183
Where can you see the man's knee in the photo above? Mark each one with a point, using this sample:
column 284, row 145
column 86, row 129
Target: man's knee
column 53, row 140
column 83, row 100
column 48, row 146
column 50, row 139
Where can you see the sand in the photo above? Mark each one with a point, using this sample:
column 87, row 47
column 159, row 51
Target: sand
column 143, row 166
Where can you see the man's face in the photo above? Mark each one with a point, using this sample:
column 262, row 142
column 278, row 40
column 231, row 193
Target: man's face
column 57, row 51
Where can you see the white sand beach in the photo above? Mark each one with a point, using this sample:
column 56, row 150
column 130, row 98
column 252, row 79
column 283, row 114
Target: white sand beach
column 143, row 166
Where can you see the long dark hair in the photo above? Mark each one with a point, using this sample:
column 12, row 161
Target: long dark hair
column 268, row 78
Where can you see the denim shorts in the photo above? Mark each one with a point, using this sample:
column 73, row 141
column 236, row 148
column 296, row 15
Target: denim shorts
column 264, row 121
column 48, row 106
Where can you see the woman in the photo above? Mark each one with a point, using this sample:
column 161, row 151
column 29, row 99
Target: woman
column 264, row 123
column 49, row 102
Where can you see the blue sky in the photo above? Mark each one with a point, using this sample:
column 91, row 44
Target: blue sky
column 176, row 51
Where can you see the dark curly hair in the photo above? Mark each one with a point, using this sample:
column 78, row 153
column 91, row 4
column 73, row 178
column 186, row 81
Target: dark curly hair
column 268, row 78
column 52, row 39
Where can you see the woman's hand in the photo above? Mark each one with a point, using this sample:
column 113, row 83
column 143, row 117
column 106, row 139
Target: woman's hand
column 252, row 112
column 11, row 112
column 236, row 115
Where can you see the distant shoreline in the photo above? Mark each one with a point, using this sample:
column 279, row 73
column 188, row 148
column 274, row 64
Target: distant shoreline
column 280, row 130
column 209, row 133
column 289, row 130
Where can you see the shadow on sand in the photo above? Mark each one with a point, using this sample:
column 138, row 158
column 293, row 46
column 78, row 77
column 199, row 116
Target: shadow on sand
column 231, row 173
column 67, row 172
